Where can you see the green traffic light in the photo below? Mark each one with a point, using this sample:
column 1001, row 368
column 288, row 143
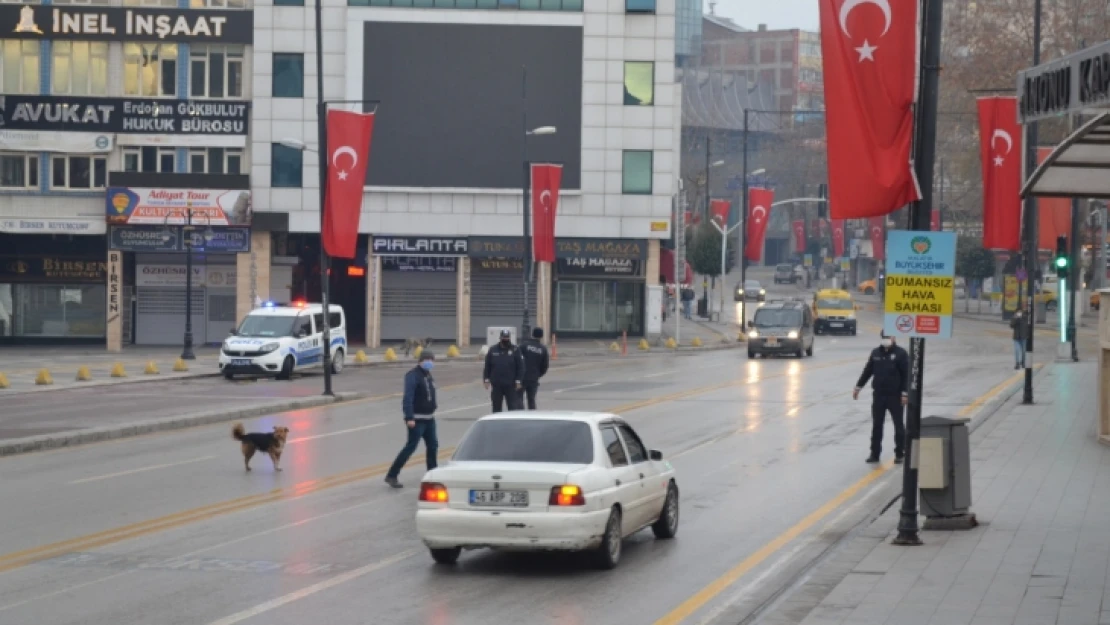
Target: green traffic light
column 1062, row 261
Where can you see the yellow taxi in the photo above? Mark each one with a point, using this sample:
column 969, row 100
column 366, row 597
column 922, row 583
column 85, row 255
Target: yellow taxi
column 868, row 287
column 834, row 311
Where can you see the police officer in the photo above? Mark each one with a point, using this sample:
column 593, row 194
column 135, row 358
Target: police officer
column 888, row 368
column 504, row 373
column 535, row 366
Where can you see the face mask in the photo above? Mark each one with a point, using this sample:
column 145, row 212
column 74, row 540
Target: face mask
column 886, row 343
column 506, row 344
column 1018, row 315
column 428, row 364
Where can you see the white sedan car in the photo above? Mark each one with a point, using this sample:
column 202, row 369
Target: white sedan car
column 547, row 481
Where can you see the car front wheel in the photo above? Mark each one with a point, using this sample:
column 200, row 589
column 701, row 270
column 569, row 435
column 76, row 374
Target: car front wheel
column 446, row 556
column 667, row 525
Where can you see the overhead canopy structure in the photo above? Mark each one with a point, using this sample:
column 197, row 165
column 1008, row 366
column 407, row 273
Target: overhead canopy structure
column 1078, row 167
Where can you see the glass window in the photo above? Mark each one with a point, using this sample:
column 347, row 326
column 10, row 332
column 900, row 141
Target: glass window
column 150, row 160
column 217, row 4
column 286, row 166
column 78, row 173
column 265, row 325
column 639, row 83
column 215, row 161
column 523, row 5
column 335, row 320
column 639, row 6
column 289, row 3
column 318, row 321
column 150, row 69
column 150, row 3
column 778, row 318
column 19, row 171
column 637, row 172
column 527, row 440
column 56, row 310
column 636, row 451
column 19, row 66
column 598, row 306
column 216, row 71
column 6, row 310
column 288, row 75
column 613, row 446
column 80, row 68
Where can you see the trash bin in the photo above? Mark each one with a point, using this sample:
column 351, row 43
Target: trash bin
column 703, row 307
column 944, row 473
column 1040, row 311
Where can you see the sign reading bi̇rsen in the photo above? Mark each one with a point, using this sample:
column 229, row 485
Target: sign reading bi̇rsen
column 920, row 280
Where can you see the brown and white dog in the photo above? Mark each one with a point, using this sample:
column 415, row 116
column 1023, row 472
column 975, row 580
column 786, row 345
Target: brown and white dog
column 270, row 443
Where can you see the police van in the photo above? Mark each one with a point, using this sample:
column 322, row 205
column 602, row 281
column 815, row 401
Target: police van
column 276, row 340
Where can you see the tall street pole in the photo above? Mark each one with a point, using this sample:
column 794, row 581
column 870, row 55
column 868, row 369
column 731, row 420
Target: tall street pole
column 925, row 148
column 322, row 154
column 525, row 324
column 744, row 226
column 1031, row 256
column 1074, row 275
column 187, row 230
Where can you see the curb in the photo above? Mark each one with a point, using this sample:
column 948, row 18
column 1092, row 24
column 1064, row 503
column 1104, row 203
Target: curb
column 81, row 437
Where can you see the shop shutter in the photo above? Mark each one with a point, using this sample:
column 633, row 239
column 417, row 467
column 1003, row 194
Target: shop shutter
column 160, row 316
column 419, row 305
column 496, row 299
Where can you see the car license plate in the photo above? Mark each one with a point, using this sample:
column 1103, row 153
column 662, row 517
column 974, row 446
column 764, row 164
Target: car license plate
column 241, row 362
column 515, row 498
column 836, row 324
column 772, row 341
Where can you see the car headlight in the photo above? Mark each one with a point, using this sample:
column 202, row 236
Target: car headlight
column 792, row 335
column 753, row 334
column 762, row 291
column 269, row 347
column 851, row 316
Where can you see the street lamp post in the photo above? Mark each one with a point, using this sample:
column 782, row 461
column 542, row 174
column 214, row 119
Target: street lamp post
column 187, row 242
column 526, row 252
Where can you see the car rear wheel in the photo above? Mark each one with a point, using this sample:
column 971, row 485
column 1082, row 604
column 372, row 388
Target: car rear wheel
column 337, row 362
column 446, row 556
column 869, row 291
column 229, row 376
column 809, row 350
column 751, row 354
column 667, row 524
column 608, row 553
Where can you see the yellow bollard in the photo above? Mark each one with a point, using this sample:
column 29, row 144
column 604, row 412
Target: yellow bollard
column 44, row 378
column 390, row 355
column 151, row 368
column 671, row 344
column 614, row 347
column 83, row 374
column 360, row 357
column 4, row 381
column 117, row 371
column 416, row 352
column 644, row 345
column 452, row 352
column 696, row 342
column 180, row 366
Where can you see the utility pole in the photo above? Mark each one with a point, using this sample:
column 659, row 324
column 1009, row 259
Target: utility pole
column 744, row 226
column 1031, row 255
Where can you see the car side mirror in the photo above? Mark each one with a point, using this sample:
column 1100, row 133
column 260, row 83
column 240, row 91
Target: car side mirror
column 233, row 332
column 656, row 455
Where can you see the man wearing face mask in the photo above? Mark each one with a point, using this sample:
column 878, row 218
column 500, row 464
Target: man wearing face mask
column 888, row 368
column 419, row 407
column 1018, row 325
column 504, row 373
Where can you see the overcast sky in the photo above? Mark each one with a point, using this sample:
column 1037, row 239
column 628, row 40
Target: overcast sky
column 776, row 14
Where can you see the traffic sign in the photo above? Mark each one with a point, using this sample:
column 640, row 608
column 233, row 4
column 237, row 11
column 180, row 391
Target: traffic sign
column 920, row 281
column 808, row 260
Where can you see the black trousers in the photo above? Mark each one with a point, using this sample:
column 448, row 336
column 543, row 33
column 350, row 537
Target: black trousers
column 880, row 405
column 530, row 389
column 508, row 394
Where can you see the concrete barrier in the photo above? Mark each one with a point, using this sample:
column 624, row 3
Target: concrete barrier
column 453, row 352
column 360, row 357
column 151, row 368
column 644, row 345
column 4, row 381
column 118, row 371
column 179, row 366
column 83, row 374
column 696, row 342
column 390, row 355
column 44, row 378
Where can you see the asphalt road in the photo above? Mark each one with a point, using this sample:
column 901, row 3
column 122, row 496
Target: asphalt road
column 168, row 528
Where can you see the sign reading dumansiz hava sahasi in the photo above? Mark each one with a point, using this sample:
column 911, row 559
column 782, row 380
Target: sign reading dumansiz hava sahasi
column 920, row 278
column 101, row 23
column 124, row 115
column 160, row 207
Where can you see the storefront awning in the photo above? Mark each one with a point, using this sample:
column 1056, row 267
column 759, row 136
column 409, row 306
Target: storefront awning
column 1078, row 167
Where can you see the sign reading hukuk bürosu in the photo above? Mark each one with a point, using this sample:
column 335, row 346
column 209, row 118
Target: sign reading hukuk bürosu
column 104, row 23
column 124, row 115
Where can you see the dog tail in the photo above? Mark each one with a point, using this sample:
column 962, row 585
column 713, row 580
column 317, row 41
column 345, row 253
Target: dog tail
column 238, row 432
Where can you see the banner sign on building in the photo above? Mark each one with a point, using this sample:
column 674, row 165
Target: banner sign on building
column 920, row 279
column 633, row 249
column 383, row 245
column 103, row 23
column 599, row 266
column 174, row 276
column 496, row 247
column 447, row 264
column 499, row 264
column 232, row 240
column 125, row 115
column 39, row 268
column 61, row 142
column 160, row 207
column 1070, row 84
column 15, row 225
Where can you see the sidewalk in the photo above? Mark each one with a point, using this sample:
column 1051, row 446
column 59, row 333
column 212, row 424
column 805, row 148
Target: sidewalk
column 1041, row 491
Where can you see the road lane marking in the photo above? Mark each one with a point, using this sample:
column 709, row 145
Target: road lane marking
column 574, row 388
column 979, row 401
column 462, row 408
column 141, row 470
column 336, row 433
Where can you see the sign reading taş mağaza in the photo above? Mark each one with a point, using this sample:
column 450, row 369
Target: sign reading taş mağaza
column 27, row 21
column 123, row 115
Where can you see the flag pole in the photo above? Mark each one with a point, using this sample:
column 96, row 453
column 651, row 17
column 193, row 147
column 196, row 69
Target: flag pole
column 322, row 142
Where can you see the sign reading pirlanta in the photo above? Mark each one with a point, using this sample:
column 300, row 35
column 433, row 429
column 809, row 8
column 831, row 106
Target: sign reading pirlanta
column 161, row 207
column 920, row 276
column 40, row 21
column 124, row 115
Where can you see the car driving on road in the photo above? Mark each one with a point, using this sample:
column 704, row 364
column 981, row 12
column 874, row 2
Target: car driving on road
column 785, row 273
column 547, row 481
column 750, row 289
column 784, row 327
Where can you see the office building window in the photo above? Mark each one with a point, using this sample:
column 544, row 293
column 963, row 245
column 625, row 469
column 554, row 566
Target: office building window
column 217, row 4
column 150, row 160
column 216, row 71
column 215, row 161
column 19, row 171
column 289, row 3
column 150, row 3
column 639, row 6
column 80, row 68
column 288, row 75
column 90, row 2
column 636, row 177
column 286, row 166
column 78, row 173
column 523, row 5
column 150, row 69
column 19, row 67
column 639, row 83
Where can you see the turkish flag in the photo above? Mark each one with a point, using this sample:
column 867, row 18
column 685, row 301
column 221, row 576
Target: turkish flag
column 934, row 220
column 759, row 213
column 799, row 235
column 878, row 250
column 719, row 210
column 838, row 237
column 1000, row 155
column 348, row 155
column 546, row 178
column 870, row 52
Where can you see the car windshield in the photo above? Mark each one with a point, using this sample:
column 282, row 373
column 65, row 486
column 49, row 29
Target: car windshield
column 266, row 325
column 835, row 304
column 751, row 284
column 778, row 318
column 528, row 440
column 783, row 268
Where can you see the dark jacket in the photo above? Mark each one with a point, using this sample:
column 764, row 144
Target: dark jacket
column 420, row 394
column 504, row 366
column 536, row 360
column 889, row 372
column 1018, row 325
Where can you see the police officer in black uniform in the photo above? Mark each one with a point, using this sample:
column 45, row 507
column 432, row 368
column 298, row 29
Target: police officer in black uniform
column 536, row 362
column 504, row 373
column 888, row 368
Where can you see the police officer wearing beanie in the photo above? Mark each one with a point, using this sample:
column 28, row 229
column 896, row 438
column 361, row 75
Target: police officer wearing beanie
column 504, row 373
column 536, row 361
column 888, row 368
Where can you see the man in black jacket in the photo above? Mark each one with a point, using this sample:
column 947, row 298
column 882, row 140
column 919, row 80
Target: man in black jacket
column 1018, row 325
column 888, row 368
column 504, row 373
column 419, row 408
column 535, row 366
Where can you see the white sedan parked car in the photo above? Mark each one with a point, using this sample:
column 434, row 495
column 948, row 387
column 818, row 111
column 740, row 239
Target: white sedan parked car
column 547, row 481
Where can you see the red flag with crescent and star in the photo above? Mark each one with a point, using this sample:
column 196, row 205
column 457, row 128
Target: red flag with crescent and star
column 870, row 57
column 718, row 209
column 799, row 227
column 546, row 178
column 349, row 137
column 759, row 214
column 934, row 220
column 838, row 237
column 1000, row 155
column 876, row 226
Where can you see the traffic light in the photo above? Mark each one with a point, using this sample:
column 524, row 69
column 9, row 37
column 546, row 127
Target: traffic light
column 730, row 260
column 822, row 207
column 1062, row 257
